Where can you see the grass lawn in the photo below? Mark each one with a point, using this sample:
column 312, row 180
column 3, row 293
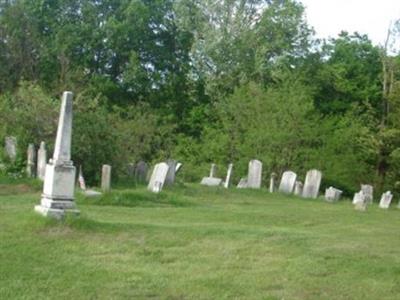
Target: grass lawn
column 193, row 242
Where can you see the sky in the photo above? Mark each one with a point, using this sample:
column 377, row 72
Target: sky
column 372, row 17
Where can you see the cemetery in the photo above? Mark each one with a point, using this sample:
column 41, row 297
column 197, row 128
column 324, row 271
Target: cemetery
column 195, row 150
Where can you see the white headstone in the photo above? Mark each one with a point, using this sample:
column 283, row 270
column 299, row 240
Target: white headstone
column 228, row 176
column 178, row 167
column 298, row 188
column 31, row 161
column 386, row 199
column 359, row 201
column 287, row 182
column 368, row 191
column 312, row 184
column 59, row 182
column 272, row 183
column 213, row 170
column 41, row 161
column 81, row 179
column 211, row 181
column 11, row 147
column 242, row 183
column 157, row 178
column 332, row 194
column 170, row 179
column 106, row 178
column 254, row 176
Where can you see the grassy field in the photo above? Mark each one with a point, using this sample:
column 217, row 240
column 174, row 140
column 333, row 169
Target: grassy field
column 193, row 242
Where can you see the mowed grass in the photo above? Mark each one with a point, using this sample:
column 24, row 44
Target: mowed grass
column 193, row 242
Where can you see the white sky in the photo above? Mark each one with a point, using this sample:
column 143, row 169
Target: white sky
column 372, row 17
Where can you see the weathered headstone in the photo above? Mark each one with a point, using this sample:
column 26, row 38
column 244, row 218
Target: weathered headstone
column 157, row 178
column 81, row 179
column 11, row 147
column 242, row 183
column 31, row 161
column 359, row 201
column 298, row 188
column 106, row 178
column 59, row 182
column 332, row 194
column 141, row 171
column 368, row 191
column 228, row 176
column 272, row 183
column 170, row 179
column 255, row 174
column 178, row 167
column 312, row 184
column 288, row 181
column 386, row 199
column 41, row 161
column 213, row 170
column 211, row 181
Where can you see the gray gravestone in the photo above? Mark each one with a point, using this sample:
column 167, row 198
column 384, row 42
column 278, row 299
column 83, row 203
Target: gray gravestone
column 141, row 171
column 41, row 161
column 59, row 183
column 213, row 170
column 242, row 183
column 170, row 179
column 106, row 178
column 31, row 161
column 386, row 199
column 288, row 181
column 298, row 188
column 228, row 176
column 359, row 201
column 254, row 175
column 11, row 147
column 211, row 181
column 81, row 179
column 272, row 183
column 312, row 184
column 332, row 194
column 368, row 191
column 157, row 178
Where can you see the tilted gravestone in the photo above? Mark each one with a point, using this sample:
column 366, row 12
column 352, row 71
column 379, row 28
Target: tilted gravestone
column 288, row 181
column 368, row 191
column 386, row 199
column 106, row 178
column 170, row 179
column 157, row 178
column 242, row 183
column 178, row 167
column 312, row 184
column 298, row 188
column 254, row 175
column 141, row 170
column 59, row 183
column 81, row 179
column 272, row 183
column 228, row 176
column 31, row 161
column 41, row 161
column 359, row 201
column 11, row 147
column 332, row 194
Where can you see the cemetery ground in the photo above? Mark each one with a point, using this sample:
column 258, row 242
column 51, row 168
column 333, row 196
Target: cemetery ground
column 193, row 242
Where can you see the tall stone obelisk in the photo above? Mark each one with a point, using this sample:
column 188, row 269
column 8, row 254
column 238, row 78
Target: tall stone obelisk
column 59, row 181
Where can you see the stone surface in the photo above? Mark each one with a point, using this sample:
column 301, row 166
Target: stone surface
column 170, row 179
column 31, row 161
column 81, row 179
column 41, row 161
column 91, row 193
column 106, row 178
column 359, row 197
column 312, row 184
column 288, row 181
column 157, row 178
column 386, row 199
column 211, row 181
column 59, row 183
column 254, row 176
column 361, row 206
column 332, row 194
column 298, row 188
column 141, row 170
column 242, row 183
column 228, row 176
column 368, row 191
column 213, row 170
column 11, row 147
column 178, row 167
column 272, row 182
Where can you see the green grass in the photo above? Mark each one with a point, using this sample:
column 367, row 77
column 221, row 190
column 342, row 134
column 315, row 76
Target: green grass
column 193, row 242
